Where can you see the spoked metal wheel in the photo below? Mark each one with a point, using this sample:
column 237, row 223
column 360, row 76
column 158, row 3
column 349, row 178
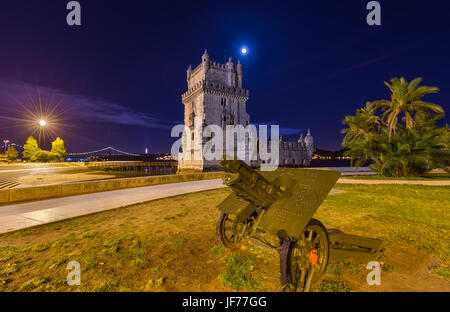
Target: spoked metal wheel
column 304, row 261
column 229, row 232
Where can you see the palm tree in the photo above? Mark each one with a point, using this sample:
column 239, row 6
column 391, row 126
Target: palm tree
column 406, row 98
column 365, row 122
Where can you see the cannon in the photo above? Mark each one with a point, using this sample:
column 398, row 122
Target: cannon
column 274, row 210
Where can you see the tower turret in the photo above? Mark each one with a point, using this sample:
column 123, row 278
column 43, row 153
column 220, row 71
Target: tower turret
column 309, row 143
column 188, row 73
column 239, row 74
column 300, row 139
column 230, row 73
column 205, row 61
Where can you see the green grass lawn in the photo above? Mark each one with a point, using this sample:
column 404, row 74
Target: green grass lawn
column 427, row 177
column 170, row 244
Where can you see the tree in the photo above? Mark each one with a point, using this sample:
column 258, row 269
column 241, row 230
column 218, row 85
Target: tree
column 45, row 156
column 406, row 100
column 58, row 148
column 11, row 153
column 365, row 122
column 395, row 149
column 30, row 148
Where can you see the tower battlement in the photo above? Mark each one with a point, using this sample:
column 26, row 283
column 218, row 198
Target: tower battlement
column 216, row 88
column 227, row 74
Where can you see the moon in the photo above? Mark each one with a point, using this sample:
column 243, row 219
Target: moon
column 244, row 51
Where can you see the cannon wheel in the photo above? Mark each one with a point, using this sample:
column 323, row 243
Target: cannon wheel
column 296, row 268
column 228, row 231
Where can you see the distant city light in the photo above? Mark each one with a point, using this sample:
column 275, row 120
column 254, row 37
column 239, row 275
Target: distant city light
column 244, row 51
column 42, row 122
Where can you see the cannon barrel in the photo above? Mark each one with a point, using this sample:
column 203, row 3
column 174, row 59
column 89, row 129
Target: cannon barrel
column 249, row 184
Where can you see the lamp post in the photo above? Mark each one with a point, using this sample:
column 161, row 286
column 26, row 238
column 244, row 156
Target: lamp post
column 6, row 144
column 42, row 124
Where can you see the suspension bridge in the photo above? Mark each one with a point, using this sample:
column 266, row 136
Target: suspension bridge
column 107, row 151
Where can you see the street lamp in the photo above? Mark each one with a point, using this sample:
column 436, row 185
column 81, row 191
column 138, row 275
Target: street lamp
column 42, row 124
column 6, row 143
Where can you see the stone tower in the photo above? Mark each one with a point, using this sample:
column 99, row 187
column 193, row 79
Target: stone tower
column 215, row 96
column 309, row 143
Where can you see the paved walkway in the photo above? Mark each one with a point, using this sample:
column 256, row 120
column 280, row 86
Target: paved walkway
column 20, row 216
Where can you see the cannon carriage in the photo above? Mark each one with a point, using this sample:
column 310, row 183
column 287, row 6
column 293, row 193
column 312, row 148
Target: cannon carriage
column 274, row 210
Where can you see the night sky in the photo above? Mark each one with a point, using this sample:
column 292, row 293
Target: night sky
column 117, row 80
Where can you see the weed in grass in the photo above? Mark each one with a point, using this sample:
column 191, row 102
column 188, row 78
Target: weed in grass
column 176, row 241
column 68, row 241
column 183, row 213
column 388, row 268
column 334, row 286
column 169, row 217
column 156, row 269
column 239, row 273
column 127, row 236
column 128, row 226
column 35, row 284
column 154, row 283
column 137, row 252
column 217, row 251
column 141, row 262
column 56, row 263
column 42, row 247
column 335, row 269
column 90, row 234
column 353, row 267
column 7, row 255
column 24, row 262
column 443, row 271
column 110, row 251
column 6, row 270
column 102, row 281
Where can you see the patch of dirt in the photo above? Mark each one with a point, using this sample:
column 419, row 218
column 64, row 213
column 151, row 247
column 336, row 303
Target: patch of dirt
column 412, row 272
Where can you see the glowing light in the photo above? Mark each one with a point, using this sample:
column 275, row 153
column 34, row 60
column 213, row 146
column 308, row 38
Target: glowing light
column 244, row 51
column 42, row 122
